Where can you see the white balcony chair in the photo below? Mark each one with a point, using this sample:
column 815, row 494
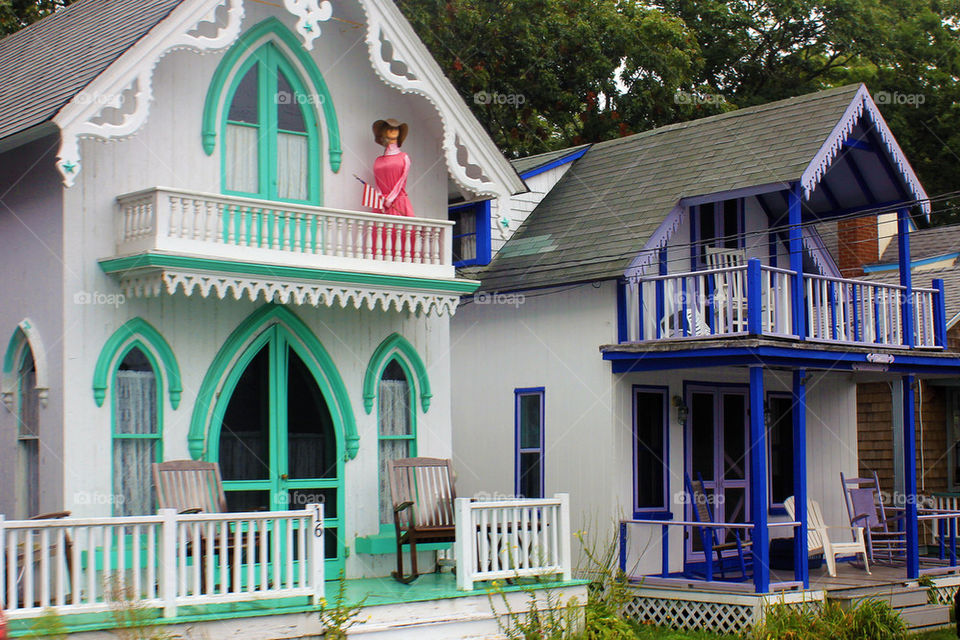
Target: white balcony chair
column 818, row 540
column 729, row 296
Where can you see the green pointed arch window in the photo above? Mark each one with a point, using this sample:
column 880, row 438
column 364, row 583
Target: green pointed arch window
column 270, row 133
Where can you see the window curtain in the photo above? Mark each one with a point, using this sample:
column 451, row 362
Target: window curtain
column 468, row 243
column 394, row 421
column 242, row 159
column 292, row 166
column 135, row 411
column 28, row 449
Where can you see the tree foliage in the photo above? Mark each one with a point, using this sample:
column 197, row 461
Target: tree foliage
column 591, row 70
column 16, row 14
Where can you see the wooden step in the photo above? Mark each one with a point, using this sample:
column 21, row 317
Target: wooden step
column 896, row 596
column 926, row 616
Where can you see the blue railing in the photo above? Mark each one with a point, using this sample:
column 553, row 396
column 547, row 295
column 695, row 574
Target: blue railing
column 755, row 299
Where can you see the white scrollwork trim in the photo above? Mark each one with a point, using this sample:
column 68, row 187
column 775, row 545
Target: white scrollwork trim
column 154, row 284
column 310, row 14
column 86, row 114
column 402, row 62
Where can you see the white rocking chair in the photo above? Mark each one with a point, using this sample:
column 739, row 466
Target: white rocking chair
column 729, row 296
column 818, row 540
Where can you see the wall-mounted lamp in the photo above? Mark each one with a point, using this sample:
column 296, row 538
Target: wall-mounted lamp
column 682, row 411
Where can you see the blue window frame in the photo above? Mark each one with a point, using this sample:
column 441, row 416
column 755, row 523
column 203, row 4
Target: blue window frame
column 529, row 421
column 780, row 444
column 471, row 233
column 651, row 449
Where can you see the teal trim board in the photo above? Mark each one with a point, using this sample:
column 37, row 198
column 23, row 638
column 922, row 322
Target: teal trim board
column 215, row 107
column 141, row 333
column 398, row 347
column 150, row 259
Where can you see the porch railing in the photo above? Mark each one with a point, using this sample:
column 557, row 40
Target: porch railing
column 251, row 230
column 77, row 565
column 512, row 538
column 755, row 299
column 665, row 556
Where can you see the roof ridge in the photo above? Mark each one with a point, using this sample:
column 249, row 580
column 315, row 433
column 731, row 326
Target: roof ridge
column 735, row 113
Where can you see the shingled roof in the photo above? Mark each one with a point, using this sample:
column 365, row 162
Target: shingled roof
column 926, row 243
column 43, row 66
column 602, row 212
column 529, row 163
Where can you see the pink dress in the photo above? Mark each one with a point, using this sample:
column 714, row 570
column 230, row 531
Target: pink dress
column 390, row 172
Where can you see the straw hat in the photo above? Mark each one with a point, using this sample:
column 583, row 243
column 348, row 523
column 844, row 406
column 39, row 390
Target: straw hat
column 389, row 123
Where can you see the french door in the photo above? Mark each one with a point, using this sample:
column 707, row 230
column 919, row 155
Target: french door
column 277, row 447
column 716, row 446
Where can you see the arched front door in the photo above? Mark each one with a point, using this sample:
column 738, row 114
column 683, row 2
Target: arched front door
column 274, row 435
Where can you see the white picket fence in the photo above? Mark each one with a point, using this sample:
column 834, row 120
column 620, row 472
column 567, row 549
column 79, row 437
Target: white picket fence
column 502, row 539
column 77, row 565
column 253, row 230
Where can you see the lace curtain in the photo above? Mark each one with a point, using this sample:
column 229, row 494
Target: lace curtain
column 135, row 410
column 394, row 421
column 292, row 166
column 242, row 159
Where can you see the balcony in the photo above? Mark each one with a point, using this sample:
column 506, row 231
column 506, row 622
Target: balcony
column 168, row 238
column 759, row 300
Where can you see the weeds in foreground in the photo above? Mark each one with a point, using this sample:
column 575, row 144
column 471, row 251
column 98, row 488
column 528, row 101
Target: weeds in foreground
column 48, row 625
column 869, row 620
column 341, row 616
column 134, row 620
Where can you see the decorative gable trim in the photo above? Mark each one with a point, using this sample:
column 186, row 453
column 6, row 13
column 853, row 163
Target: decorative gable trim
column 862, row 103
column 813, row 243
column 403, row 62
column 130, row 79
column 659, row 240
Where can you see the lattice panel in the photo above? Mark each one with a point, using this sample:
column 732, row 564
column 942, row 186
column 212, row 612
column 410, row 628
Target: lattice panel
column 945, row 594
column 685, row 614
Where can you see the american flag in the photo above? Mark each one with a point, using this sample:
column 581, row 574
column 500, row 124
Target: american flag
column 372, row 198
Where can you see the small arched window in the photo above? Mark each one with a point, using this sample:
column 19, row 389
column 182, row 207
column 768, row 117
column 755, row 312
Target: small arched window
column 271, row 138
column 136, row 433
column 396, row 428
column 28, row 438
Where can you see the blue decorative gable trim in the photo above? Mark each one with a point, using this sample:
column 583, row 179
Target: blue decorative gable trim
column 559, row 162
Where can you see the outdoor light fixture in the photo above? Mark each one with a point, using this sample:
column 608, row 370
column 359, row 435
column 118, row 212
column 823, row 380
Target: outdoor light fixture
column 682, row 410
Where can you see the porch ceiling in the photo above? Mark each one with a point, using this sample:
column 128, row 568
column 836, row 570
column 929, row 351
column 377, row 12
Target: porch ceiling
column 772, row 352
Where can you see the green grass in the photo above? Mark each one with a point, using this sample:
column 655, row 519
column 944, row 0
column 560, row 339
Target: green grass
column 942, row 634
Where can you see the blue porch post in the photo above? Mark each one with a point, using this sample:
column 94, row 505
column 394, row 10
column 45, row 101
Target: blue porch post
column 906, row 280
column 801, row 568
column 940, row 314
column 758, row 483
column 795, row 219
column 754, row 298
column 910, row 479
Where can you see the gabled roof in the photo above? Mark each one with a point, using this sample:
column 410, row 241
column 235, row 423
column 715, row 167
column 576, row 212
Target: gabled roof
column 44, row 65
column 619, row 196
column 926, row 243
column 538, row 161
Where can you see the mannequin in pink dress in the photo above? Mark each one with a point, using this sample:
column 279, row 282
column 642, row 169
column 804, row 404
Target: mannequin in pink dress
column 392, row 168
column 390, row 173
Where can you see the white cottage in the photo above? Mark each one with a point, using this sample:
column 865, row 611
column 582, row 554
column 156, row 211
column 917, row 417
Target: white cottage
column 668, row 314
column 188, row 274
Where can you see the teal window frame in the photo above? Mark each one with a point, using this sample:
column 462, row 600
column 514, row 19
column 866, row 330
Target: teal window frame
column 388, row 528
column 114, row 435
column 270, row 61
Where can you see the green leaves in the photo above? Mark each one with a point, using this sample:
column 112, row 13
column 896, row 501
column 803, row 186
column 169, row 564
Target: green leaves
column 16, row 14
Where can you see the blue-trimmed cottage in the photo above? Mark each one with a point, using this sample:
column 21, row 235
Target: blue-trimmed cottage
column 189, row 274
column 669, row 310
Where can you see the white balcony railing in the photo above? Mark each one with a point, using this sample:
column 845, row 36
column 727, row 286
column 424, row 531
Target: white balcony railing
column 249, row 230
column 512, row 538
column 78, row 565
column 755, row 299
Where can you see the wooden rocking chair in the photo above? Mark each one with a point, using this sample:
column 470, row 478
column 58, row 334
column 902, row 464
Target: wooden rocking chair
column 708, row 535
column 422, row 493
column 885, row 537
column 189, row 486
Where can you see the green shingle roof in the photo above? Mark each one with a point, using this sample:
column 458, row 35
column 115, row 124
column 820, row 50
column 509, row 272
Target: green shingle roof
column 606, row 207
